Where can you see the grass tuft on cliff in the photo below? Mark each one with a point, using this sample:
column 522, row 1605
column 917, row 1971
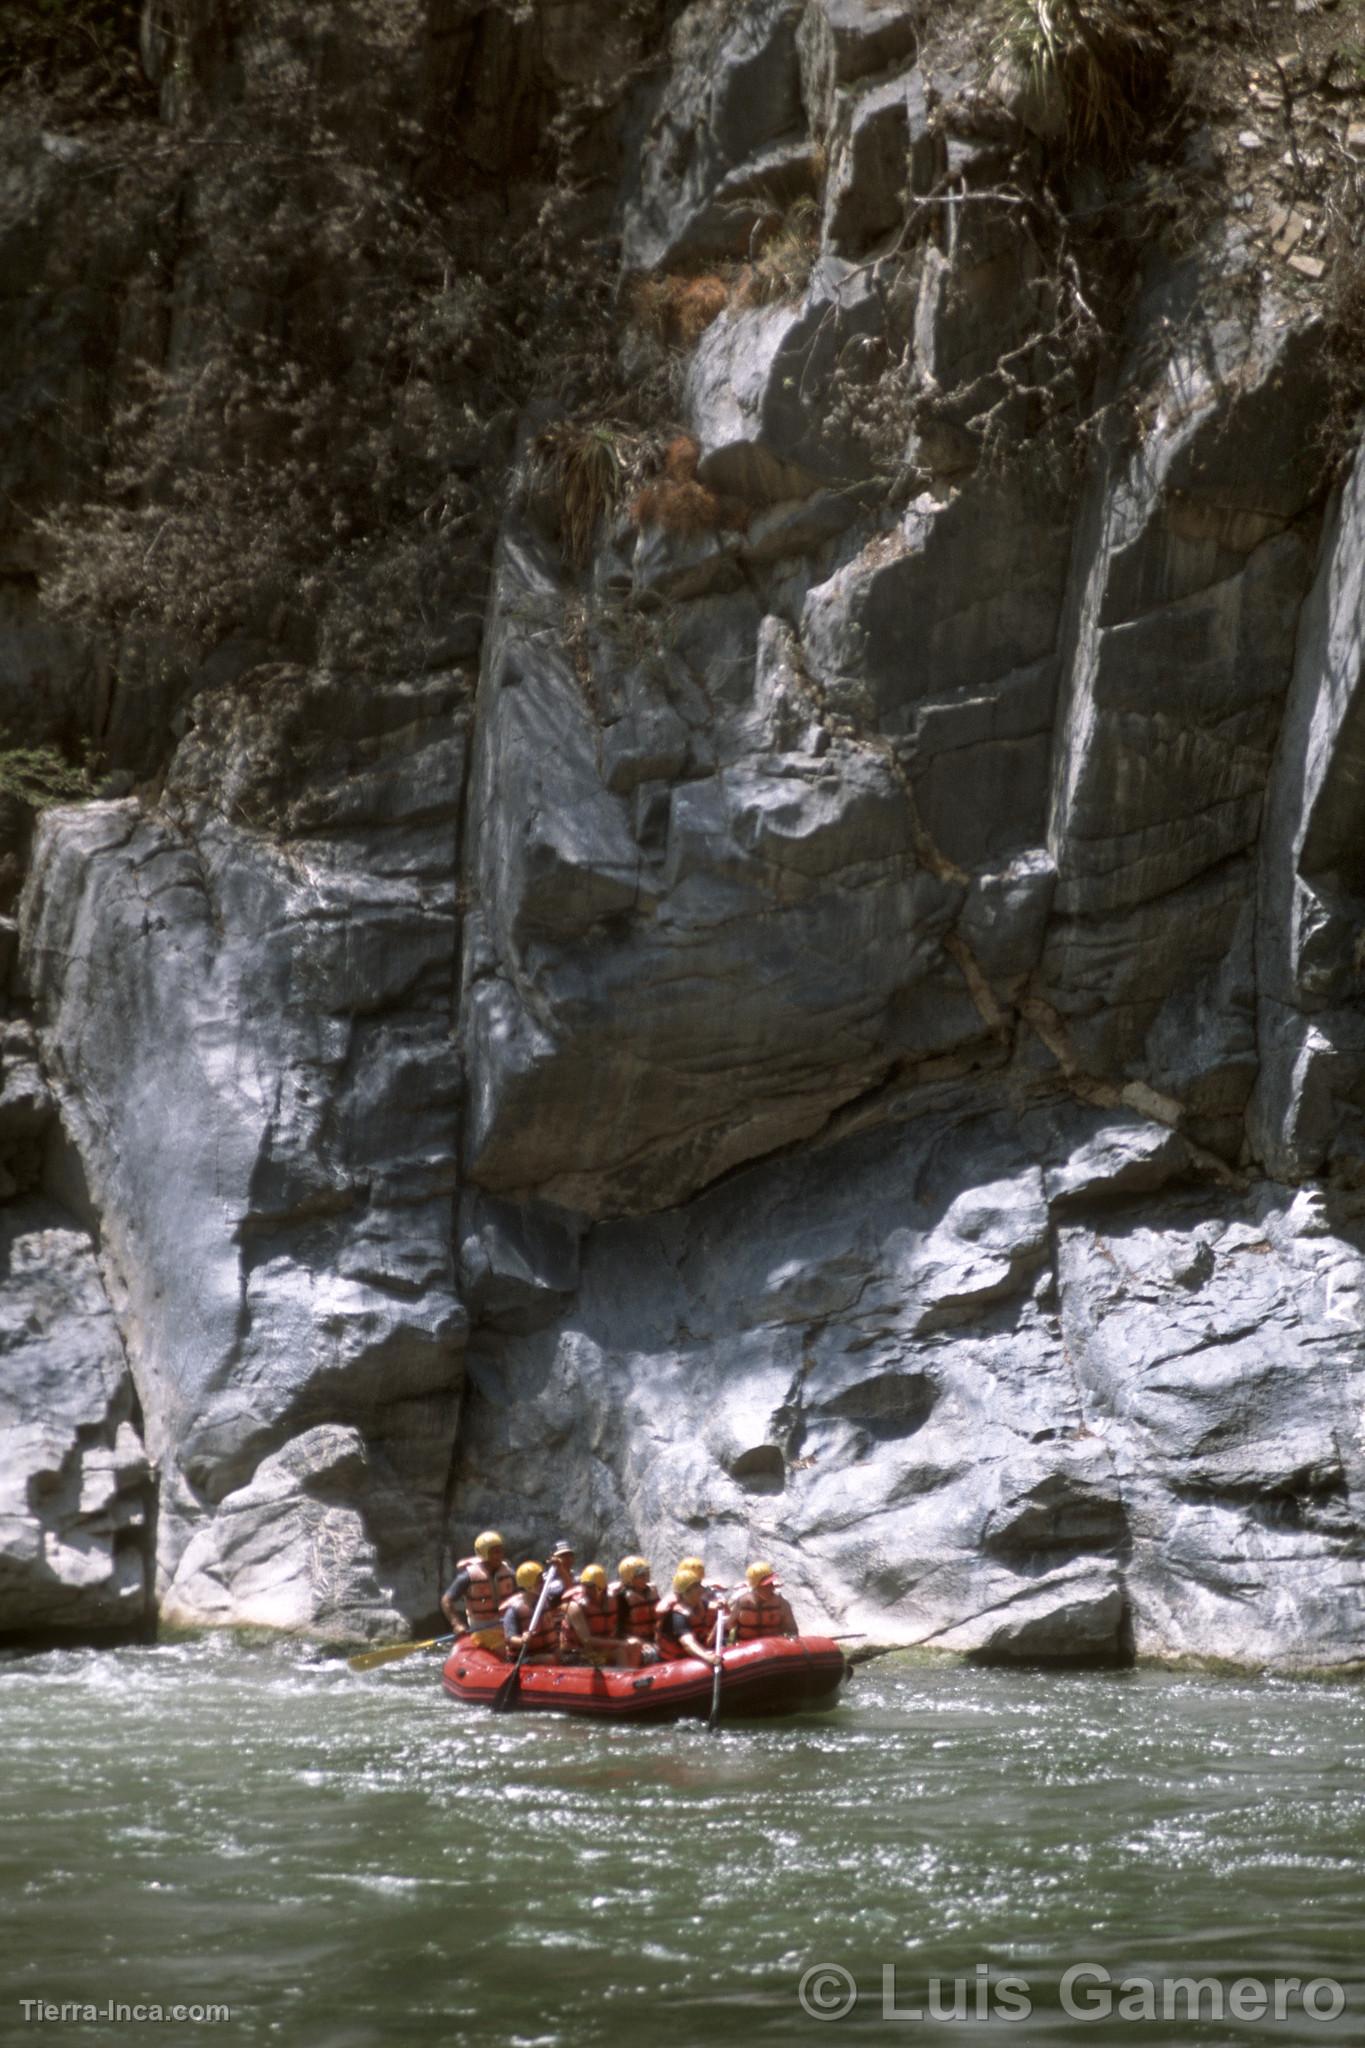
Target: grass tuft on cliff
column 1098, row 64
column 41, row 776
column 585, row 467
column 781, row 269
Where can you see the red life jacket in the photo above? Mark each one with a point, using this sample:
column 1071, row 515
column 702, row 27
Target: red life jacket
column 544, row 1636
column 756, row 1615
column 668, row 1645
column 636, row 1608
column 486, row 1591
column 601, row 1620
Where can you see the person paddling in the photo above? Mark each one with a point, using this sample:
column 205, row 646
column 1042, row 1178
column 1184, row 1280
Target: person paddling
column 761, row 1609
column 479, row 1587
column 682, row 1619
column 519, row 1612
column 714, row 1597
column 587, row 1629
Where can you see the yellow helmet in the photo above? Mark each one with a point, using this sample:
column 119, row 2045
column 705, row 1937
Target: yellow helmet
column 693, row 1564
column 490, row 1540
column 529, row 1574
column 593, row 1575
column 683, row 1579
column 757, row 1573
column 631, row 1568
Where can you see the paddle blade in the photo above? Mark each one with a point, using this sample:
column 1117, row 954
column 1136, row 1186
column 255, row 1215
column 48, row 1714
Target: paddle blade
column 505, row 1698
column 368, row 1659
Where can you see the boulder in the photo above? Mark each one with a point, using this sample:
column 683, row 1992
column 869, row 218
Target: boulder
column 291, row 1549
column 76, row 1489
column 1218, row 1354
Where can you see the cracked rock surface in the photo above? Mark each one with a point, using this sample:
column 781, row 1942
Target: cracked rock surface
column 844, row 1045
column 74, row 1483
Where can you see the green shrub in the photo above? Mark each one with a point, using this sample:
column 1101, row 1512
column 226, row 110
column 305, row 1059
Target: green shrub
column 40, row 776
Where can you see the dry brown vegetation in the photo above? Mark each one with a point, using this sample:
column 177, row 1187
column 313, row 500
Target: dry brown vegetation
column 588, row 468
column 348, row 285
column 684, row 509
column 676, row 502
column 678, row 310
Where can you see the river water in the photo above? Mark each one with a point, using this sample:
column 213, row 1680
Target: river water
column 346, row 1860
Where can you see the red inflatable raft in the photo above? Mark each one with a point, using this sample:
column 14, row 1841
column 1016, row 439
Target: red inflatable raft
column 775, row 1675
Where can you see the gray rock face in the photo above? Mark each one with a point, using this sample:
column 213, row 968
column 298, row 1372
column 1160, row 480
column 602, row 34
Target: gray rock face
column 871, row 1364
column 1306, row 1114
column 728, row 139
column 75, row 1486
column 851, row 1050
column 712, row 959
column 749, row 385
column 248, row 1033
column 293, row 1548
column 1157, row 793
column 1218, row 1352
column 844, row 42
column 838, row 1361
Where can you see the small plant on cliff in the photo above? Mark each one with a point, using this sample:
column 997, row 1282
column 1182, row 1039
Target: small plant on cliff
column 781, row 269
column 677, row 503
column 678, row 310
column 583, row 469
column 1099, row 62
column 39, row 776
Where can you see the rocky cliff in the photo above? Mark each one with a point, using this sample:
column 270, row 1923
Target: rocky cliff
column 793, row 987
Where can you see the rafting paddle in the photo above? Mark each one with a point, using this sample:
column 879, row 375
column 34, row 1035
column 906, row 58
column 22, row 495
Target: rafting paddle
column 713, row 1722
column 505, row 1698
column 369, row 1658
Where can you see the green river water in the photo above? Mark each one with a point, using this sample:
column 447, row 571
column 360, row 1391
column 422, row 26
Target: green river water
column 346, row 1860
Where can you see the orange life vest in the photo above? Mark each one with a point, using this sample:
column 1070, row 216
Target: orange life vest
column 486, row 1591
column 668, row 1645
column 546, row 1633
column 601, row 1620
column 756, row 1616
column 636, row 1609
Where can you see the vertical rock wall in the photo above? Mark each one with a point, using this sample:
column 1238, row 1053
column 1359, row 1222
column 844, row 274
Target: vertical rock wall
column 851, row 1051
column 248, row 1031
